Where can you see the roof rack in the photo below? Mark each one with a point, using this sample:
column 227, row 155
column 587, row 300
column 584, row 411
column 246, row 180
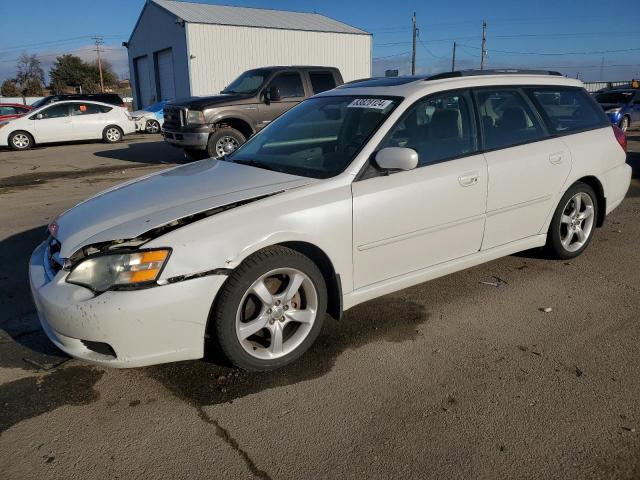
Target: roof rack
column 505, row 71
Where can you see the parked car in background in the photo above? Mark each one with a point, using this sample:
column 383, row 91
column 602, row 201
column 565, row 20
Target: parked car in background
column 66, row 121
column 622, row 106
column 215, row 126
column 110, row 98
column 13, row 110
column 150, row 119
column 355, row 193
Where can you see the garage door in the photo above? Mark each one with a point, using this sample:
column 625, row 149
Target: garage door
column 166, row 87
column 143, row 82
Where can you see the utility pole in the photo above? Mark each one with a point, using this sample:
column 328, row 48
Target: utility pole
column 99, row 42
column 484, row 44
column 413, row 53
column 453, row 58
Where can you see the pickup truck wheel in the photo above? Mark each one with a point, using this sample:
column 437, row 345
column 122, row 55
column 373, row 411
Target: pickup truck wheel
column 270, row 310
column 224, row 141
column 573, row 222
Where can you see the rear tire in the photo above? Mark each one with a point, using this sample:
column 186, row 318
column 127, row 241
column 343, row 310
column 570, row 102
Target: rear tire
column 112, row 134
column 224, row 141
column 20, row 140
column 270, row 310
column 573, row 222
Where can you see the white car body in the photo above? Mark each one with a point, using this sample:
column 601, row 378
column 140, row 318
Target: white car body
column 142, row 117
column 380, row 235
column 72, row 127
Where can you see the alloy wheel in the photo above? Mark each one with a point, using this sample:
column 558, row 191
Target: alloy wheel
column 153, row 126
column 576, row 222
column 276, row 313
column 113, row 134
column 20, row 140
column 226, row 145
column 624, row 124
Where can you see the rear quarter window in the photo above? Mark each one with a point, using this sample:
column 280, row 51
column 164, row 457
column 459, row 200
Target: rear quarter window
column 322, row 81
column 568, row 110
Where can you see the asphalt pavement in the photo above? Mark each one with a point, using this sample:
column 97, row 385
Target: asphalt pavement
column 465, row 376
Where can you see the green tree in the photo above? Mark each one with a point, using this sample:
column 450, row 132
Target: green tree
column 10, row 89
column 72, row 71
column 32, row 87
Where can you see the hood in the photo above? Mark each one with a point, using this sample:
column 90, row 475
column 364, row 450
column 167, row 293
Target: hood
column 127, row 211
column 202, row 103
column 142, row 113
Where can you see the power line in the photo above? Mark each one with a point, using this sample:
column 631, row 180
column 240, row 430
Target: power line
column 599, row 52
column 53, row 42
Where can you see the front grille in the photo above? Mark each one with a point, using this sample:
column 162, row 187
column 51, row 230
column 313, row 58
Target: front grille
column 174, row 116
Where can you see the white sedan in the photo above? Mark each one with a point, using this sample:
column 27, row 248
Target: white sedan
column 67, row 121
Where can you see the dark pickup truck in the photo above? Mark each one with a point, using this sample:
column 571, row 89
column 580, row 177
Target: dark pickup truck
column 215, row 126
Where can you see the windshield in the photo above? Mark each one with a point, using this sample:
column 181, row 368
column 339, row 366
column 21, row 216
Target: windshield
column 614, row 97
column 41, row 102
column 249, row 82
column 318, row 138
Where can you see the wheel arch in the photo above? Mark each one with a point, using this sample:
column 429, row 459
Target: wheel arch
column 243, row 126
column 594, row 183
column 21, row 130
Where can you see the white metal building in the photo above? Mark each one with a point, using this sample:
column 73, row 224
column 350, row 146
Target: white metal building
column 178, row 49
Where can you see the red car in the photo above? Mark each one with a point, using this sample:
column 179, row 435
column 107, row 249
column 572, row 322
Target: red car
column 13, row 110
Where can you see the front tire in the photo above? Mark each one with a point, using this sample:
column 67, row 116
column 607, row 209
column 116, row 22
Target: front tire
column 224, row 141
column 152, row 126
column 20, row 141
column 112, row 134
column 270, row 310
column 573, row 222
column 624, row 123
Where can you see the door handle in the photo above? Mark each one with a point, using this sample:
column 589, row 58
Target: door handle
column 556, row 158
column 468, row 179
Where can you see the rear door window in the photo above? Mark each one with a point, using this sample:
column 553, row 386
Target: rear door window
column 5, row 110
column 322, row 81
column 78, row 109
column 568, row 109
column 507, row 119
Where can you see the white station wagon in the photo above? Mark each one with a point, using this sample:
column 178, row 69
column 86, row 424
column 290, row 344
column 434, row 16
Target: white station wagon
column 66, row 121
column 357, row 192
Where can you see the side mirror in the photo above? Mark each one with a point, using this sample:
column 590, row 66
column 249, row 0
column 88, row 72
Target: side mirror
column 397, row 159
column 39, row 116
column 272, row 94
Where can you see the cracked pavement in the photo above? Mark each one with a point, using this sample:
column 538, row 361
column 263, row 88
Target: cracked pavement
column 462, row 377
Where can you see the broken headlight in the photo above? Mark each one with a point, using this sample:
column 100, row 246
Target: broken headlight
column 104, row 272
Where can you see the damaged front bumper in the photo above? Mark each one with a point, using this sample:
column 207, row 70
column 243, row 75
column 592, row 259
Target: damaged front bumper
column 122, row 329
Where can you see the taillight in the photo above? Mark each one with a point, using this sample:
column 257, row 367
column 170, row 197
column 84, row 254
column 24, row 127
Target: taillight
column 621, row 137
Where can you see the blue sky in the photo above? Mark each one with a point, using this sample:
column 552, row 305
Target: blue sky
column 533, row 34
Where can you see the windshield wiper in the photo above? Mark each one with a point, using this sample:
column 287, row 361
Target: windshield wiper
column 257, row 163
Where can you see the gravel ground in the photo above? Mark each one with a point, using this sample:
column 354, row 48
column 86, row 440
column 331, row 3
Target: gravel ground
column 450, row 379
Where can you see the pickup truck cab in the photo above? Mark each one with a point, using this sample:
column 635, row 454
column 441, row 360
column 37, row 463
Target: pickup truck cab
column 215, row 126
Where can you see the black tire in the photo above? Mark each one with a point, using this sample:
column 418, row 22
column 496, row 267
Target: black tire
column 192, row 154
column 152, row 127
column 20, row 140
column 554, row 246
column 222, row 323
column 109, row 134
column 624, row 124
column 226, row 136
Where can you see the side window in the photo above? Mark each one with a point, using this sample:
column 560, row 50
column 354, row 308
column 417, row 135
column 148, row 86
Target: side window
column 322, row 81
column 507, row 119
column 21, row 110
column 56, row 111
column 105, row 109
column 289, row 84
column 78, row 109
column 438, row 128
column 4, row 110
column 568, row 109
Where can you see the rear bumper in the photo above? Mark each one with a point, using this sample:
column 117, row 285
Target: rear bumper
column 142, row 327
column 195, row 140
column 615, row 183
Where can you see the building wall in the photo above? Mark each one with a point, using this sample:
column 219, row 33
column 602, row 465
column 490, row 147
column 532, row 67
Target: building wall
column 157, row 30
column 223, row 52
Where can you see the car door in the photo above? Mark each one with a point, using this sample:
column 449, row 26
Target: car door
column 411, row 220
column 53, row 124
column 291, row 88
column 88, row 120
column 527, row 167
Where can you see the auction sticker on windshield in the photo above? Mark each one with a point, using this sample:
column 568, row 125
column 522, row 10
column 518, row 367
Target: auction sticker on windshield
column 375, row 103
